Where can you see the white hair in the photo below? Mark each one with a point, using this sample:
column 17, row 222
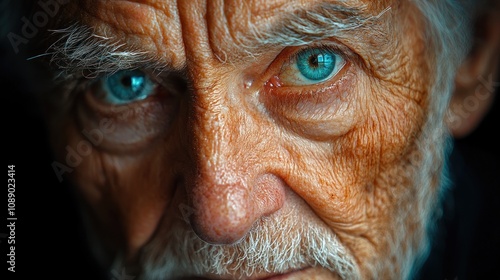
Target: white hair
column 79, row 51
column 307, row 25
column 449, row 34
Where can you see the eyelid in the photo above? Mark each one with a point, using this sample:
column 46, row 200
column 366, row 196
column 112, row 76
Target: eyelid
column 325, row 47
column 316, row 111
column 84, row 77
column 289, row 54
column 167, row 80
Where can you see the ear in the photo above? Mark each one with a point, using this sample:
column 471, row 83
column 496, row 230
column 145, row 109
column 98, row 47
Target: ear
column 477, row 77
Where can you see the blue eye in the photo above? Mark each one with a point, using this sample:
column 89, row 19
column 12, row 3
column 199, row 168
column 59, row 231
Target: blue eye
column 310, row 66
column 316, row 64
column 127, row 86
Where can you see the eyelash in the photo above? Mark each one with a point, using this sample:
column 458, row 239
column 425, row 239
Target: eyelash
column 330, row 48
column 83, row 83
column 289, row 56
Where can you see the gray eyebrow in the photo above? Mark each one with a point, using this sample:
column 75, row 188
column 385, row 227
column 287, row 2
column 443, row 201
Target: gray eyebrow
column 78, row 51
column 307, row 25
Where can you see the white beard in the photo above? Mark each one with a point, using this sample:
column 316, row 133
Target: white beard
column 288, row 240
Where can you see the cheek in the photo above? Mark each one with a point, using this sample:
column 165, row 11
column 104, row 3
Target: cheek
column 126, row 194
column 335, row 176
column 389, row 123
column 386, row 133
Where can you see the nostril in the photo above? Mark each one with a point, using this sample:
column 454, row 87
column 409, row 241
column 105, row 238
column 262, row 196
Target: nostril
column 223, row 214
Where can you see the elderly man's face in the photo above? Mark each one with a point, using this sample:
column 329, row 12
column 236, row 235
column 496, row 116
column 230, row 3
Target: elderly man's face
column 252, row 138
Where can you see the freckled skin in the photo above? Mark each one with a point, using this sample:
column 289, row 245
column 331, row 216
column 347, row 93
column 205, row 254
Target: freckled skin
column 231, row 150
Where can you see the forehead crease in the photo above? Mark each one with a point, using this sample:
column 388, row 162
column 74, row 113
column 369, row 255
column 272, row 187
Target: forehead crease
column 230, row 22
column 223, row 31
column 257, row 14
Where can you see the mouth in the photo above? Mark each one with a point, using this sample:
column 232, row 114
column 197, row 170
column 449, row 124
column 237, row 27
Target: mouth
column 292, row 275
column 296, row 274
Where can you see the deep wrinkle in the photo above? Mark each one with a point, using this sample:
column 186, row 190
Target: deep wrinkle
column 310, row 151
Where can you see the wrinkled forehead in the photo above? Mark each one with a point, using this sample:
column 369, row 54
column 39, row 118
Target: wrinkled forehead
column 228, row 29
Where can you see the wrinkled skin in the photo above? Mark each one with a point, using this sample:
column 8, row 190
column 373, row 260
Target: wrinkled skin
column 238, row 142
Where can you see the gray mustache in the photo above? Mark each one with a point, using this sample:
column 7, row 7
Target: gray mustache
column 276, row 244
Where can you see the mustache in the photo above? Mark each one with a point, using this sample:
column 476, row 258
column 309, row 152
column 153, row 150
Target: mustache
column 279, row 243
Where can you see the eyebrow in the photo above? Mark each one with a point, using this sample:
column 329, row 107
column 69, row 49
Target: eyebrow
column 79, row 51
column 307, row 25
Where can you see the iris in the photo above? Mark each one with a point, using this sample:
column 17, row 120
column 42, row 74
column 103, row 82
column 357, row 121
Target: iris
column 316, row 64
column 127, row 86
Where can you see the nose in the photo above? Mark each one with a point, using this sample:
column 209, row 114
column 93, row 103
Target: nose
column 232, row 185
column 225, row 212
column 231, row 178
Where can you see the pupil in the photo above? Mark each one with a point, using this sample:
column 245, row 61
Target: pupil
column 313, row 61
column 126, row 81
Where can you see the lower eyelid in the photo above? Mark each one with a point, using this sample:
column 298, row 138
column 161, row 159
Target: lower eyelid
column 317, row 111
column 134, row 125
column 287, row 90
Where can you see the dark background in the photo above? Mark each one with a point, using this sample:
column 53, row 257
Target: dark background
column 49, row 237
